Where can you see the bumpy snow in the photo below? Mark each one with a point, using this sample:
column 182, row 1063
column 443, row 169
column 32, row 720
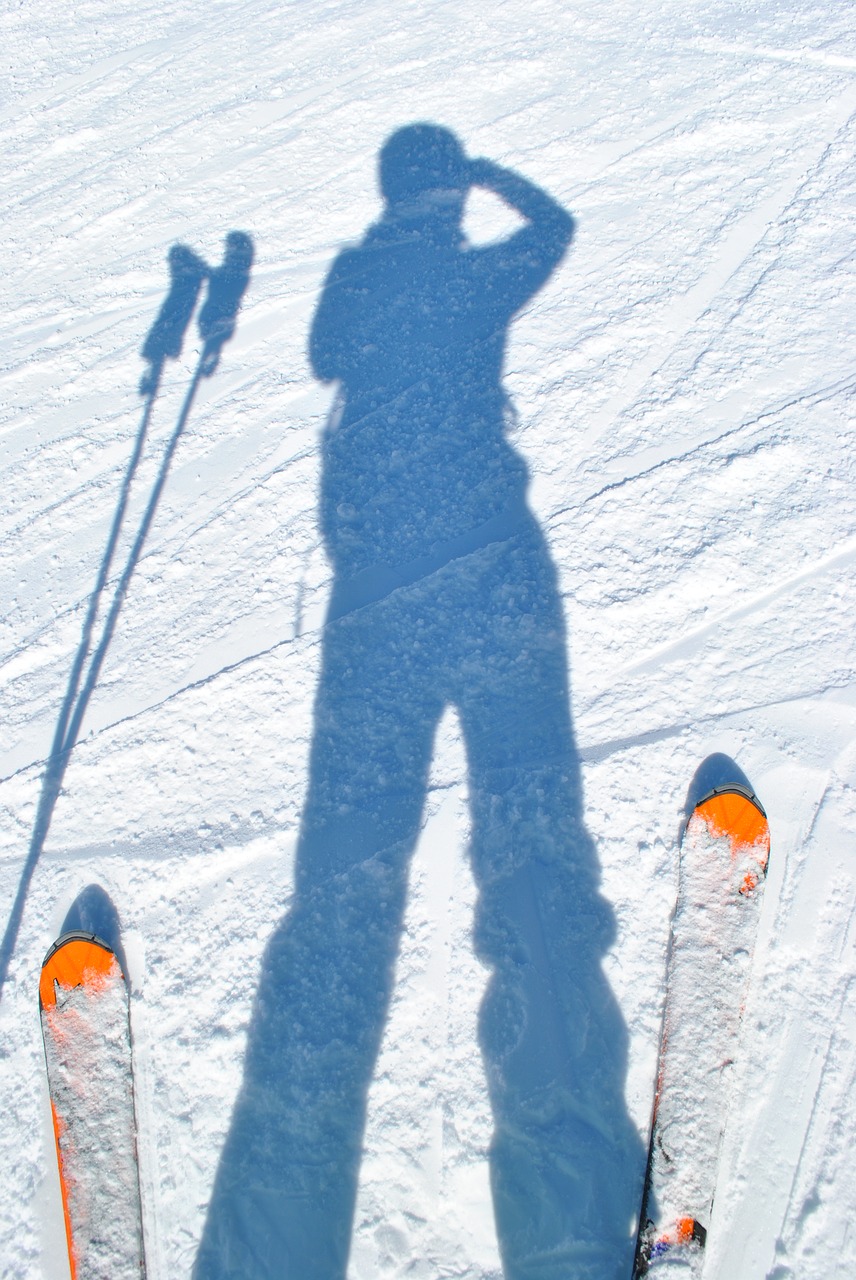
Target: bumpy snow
column 680, row 392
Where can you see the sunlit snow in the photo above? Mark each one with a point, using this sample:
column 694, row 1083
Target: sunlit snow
column 181, row 534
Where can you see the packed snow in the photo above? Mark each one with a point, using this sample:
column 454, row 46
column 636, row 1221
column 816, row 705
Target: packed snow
column 649, row 445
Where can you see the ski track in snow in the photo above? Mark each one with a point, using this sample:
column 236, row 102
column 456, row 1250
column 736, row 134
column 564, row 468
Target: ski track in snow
column 683, row 387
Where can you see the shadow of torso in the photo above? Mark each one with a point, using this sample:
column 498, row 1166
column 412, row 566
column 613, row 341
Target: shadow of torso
column 414, row 326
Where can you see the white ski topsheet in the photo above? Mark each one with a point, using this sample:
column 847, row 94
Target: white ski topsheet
column 683, row 391
column 712, row 945
column 88, row 1052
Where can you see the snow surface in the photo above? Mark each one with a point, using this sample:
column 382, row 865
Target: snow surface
column 682, row 386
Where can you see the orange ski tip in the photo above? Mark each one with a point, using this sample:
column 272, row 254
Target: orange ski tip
column 76, row 960
column 737, row 815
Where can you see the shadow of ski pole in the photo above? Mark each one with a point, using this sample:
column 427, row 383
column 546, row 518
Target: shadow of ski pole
column 60, row 735
column 128, row 572
column 77, row 698
column 226, row 287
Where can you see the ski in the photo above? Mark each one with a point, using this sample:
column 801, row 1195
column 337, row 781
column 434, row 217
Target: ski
column 85, row 1016
column 723, row 862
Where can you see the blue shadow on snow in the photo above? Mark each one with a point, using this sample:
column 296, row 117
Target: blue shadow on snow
column 444, row 595
column 93, row 911
column 217, row 318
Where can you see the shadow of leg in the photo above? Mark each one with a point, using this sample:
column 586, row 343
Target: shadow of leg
column 284, row 1195
column 565, row 1157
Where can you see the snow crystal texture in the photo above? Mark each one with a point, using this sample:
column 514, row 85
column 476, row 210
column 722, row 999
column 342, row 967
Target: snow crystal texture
column 679, row 395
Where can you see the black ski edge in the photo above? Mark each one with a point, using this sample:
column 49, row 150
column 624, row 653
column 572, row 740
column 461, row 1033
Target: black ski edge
column 642, row 1255
column 736, row 789
column 77, row 935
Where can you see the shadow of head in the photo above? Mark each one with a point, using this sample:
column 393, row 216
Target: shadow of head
column 424, row 175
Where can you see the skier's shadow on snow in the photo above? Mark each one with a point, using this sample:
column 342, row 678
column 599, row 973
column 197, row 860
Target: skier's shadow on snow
column 444, row 595
column 217, row 317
